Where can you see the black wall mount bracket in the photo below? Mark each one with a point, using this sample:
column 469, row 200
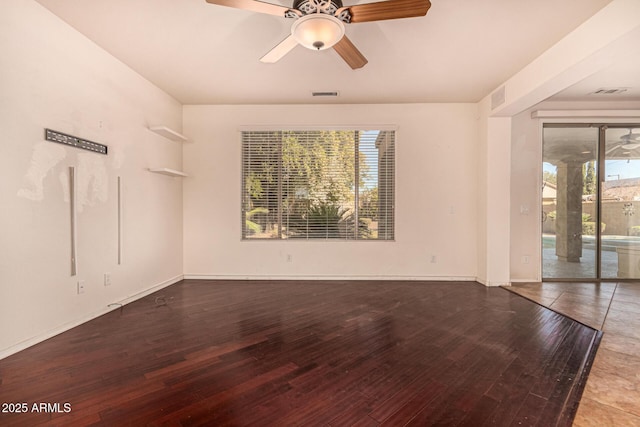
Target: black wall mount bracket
column 74, row 141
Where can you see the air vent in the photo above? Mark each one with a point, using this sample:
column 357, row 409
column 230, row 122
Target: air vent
column 324, row 93
column 610, row 91
column 497, row 98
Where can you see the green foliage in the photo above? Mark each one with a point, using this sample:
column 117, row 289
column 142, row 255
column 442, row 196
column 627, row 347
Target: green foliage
column 364, row 230
column 369, row 203
column 589, row 228
column 260, row 184
column 323, row 166
column 317, row 173
column 585, row 216
column 550, row 177
column 254, row 186
column 327, row 221
column 634, row 231
column 589, row 178
column 254, row 227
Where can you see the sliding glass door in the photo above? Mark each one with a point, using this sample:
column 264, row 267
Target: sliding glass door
column 569, row 195
column 620, row 204
column 591, row 190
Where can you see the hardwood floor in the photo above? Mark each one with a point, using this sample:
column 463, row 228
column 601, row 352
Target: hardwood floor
column 313, row 353
column 612, row 393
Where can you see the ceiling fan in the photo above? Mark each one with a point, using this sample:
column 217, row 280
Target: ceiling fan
column 630, row 141
column 319, row 24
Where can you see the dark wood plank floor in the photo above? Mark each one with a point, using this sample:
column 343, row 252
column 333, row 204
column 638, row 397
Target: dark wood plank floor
column 308, row 353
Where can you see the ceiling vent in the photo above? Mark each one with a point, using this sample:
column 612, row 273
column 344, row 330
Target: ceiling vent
column 497, row 98
column 610, row 91
column 324, row 93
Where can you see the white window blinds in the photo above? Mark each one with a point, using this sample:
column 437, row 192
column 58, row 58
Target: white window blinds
column 318, row 184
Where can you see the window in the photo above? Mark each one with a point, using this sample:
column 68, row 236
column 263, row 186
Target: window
column 318, row 184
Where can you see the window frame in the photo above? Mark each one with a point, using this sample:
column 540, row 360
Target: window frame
column 393, row 129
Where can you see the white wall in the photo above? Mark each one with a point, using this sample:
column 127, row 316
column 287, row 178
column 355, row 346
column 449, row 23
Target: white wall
column 51, row 76
column 526, row 205
column 493, row 178
column 436, row 195
column 482, row 205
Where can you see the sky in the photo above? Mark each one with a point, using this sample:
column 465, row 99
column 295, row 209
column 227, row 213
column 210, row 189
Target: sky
column 368, row 146
column 622, row 169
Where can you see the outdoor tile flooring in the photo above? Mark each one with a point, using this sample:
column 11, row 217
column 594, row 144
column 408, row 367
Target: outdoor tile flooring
column 586, row 269
column 612, row 393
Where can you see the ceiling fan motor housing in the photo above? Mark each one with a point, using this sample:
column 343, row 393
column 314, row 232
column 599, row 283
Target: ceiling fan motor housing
column 328, row 7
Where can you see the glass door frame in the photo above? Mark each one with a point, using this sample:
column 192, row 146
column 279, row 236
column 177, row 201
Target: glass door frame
column 600, row 178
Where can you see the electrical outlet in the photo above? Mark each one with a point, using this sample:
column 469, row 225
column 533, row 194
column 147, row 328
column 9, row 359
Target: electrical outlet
column 525, row 259
column 80, row 286
column 434, row 259
column 107, row 279
column 289, row 258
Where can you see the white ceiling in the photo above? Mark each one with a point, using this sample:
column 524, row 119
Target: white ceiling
column 207, row 54
column 622, row 72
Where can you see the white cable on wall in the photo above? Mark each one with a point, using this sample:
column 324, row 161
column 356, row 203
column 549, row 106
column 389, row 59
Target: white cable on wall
column 72, row 209
column 119, row 221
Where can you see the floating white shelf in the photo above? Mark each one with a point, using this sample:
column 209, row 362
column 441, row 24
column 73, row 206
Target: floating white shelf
column 168, row 133
column 169, row 172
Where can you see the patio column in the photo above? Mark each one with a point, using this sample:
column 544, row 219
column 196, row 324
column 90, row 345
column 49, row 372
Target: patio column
column 569, row 212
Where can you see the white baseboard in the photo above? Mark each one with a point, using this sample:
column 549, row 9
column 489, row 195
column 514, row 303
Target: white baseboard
column 150, row 290
column 525, row 281
column 328, row 277
column 491, row 284
column 77, row 322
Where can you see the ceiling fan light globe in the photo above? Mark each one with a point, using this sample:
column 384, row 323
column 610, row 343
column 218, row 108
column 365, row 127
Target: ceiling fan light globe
column 317, row 31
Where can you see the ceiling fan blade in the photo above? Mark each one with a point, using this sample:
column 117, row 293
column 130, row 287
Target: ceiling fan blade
column 254, row 6
column 350, row 53
column 390, row 9
column 275, row 54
